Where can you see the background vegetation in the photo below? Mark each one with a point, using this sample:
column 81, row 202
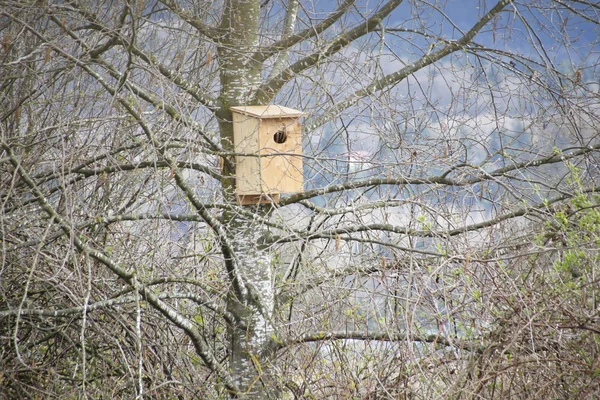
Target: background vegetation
column 445, row 245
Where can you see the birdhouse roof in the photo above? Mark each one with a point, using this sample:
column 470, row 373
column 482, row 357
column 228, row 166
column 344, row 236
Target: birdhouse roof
column 272, row 111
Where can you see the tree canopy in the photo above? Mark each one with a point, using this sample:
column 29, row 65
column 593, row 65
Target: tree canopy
column 445, row 244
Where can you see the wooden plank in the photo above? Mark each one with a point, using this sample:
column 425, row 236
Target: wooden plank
column 265, row 112
column 248, row 199
column 245, row 140
column 281, row 163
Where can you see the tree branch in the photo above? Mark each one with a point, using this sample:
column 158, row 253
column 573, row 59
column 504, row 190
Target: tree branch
column 82, row 173
column 268, row 89
column 202, row 97
column 435, row 339
column 136, row 89
column 109, row 303
column 400, row 75
column 288, row 41
column 129, row 277
column 115, row 38
column 443, row 178
column 210, row 32
column 288, row 28
column 543, row 206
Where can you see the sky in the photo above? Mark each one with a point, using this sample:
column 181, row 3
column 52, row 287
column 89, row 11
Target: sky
column 492, row 112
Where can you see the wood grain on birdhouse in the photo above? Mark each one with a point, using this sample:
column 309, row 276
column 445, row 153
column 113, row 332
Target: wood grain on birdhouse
column 268, row 143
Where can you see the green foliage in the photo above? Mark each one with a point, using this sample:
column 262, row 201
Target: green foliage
column 578, row 227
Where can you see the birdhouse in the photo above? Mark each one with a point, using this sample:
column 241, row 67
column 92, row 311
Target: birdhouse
column 268, row 144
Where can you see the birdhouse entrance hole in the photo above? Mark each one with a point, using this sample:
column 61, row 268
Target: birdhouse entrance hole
column 280, row 136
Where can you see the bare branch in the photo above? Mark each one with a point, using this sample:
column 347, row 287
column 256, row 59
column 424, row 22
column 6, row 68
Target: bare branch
column 127, row 276
column 115, row 302
column 289, row 41
column 395, row 77
column 211, row 32
column 325, row 336
column 288, row 28
column 271, row 87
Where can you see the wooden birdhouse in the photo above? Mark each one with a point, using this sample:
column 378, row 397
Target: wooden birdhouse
column 268, row 141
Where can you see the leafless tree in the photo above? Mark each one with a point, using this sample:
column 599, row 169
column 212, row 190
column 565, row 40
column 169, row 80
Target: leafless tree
column 445, row 245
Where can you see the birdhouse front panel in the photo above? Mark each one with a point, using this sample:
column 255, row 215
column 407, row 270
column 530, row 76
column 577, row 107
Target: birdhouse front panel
column 268, row 141
column 281, row 156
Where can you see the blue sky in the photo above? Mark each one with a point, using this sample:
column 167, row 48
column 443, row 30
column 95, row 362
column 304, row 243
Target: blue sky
column 491, row 111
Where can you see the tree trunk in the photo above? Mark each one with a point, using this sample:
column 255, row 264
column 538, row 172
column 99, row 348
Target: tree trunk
column 253, row 308
column 250, row 339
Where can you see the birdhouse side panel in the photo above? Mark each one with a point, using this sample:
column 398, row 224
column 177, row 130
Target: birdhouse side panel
column 247, row 167
column 281, row 156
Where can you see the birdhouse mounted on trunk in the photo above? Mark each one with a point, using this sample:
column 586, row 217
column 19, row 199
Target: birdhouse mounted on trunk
column 268, row 141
